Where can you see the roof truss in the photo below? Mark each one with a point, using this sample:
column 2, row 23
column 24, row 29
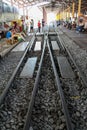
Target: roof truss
column 53, row 3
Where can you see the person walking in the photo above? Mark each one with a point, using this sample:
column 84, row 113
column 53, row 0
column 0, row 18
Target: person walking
column 39, row 26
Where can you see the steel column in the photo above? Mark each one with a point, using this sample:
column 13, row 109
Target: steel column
column 44, row 15
column 79, row 7
column 73, row 9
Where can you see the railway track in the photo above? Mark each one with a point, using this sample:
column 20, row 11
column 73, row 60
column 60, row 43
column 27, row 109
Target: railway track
column 14, row 100
column 47, row 108
column 74, row 88
column 9, row 63
column 76, row 61
column 50, row 99
column 47, row 111
column 71, row 85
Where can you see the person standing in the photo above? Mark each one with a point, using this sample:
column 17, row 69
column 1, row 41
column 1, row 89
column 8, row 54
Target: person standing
column 31, row 25
column 43, row 22
column 39, row 25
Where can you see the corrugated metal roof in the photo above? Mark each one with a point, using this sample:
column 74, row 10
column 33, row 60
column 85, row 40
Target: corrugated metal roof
column 54, row 4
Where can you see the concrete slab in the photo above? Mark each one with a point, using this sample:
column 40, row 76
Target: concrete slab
column 20, row 47
column 55, row 45
column 65, row 68
column 39, row 38
column 38, row 33
column 37, row 46
column 31, row 128
column 29, row 67
column 52, row 33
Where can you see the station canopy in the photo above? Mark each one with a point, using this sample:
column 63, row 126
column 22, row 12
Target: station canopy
column 51, row 5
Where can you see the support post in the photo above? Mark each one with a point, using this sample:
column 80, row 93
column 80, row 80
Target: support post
column 79, row 7
column 44, row 15
column 23, row 13
column 11, row 2
column 73, row 9
column 69, row 12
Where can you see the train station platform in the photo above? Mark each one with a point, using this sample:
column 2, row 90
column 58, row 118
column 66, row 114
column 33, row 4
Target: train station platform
column 78, row 38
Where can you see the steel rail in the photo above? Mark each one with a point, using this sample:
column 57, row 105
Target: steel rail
column 78, row 69
column 66, row 113
column 29, row 113
column 4, row 93
column 60, row 40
